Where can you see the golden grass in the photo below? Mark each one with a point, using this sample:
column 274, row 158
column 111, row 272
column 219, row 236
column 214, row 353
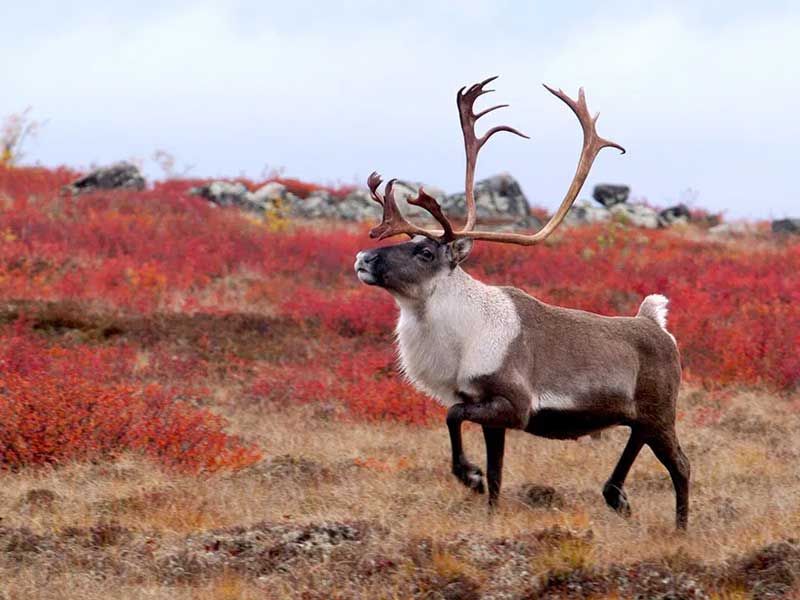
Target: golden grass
column 745, row 494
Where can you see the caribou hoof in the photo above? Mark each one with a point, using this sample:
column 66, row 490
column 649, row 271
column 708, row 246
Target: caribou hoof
column 471, row 476
column 617, row 499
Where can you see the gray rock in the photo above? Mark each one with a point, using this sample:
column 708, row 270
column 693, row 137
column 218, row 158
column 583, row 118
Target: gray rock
column 584, row 212
column 732, row 229
column 121, row 175
column 609, row 194
column 498, row 197
column 637, row 215
column 269, row 195
column 529, row 223
column 786, row 226
column 224, row 193
column 403, row 190
column 358, row 205
column 674, row 215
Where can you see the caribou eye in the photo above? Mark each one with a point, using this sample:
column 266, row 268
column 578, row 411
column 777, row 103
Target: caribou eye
column 425, row 254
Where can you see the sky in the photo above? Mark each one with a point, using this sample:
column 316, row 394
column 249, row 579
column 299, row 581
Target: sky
column 703, row 95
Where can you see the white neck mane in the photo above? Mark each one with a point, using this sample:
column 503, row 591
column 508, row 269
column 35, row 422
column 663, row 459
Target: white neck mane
column 461, row 331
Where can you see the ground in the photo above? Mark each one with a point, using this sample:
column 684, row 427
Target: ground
column 345, row 509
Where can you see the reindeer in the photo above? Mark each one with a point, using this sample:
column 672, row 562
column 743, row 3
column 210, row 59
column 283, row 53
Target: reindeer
column 500, row 358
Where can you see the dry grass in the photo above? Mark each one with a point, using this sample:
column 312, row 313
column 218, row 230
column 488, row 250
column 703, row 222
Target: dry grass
column 95, row 527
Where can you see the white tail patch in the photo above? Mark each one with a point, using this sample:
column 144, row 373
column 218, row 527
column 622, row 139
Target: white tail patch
column 654, row 307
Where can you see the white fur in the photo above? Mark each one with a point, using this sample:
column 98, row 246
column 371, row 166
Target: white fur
column 654, row 307
column 553, row 401
column 463, row 330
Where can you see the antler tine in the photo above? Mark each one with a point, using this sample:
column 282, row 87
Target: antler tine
column 430, row 204
column 592, row 144
column 374, row 182
column 586, row 120
column 472, row 143
column 393, row 223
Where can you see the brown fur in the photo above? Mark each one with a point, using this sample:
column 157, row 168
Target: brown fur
column 613, row 370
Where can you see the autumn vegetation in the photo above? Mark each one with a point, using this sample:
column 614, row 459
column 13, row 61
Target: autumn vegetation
column 236, row 373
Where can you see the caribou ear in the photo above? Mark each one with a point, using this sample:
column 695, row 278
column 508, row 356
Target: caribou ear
column 458, row 250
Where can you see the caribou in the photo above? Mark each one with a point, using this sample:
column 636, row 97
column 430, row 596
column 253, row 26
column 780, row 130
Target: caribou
column 500, row 358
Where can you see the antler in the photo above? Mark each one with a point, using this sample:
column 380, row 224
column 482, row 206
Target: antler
column 592, row 144
column 472, row 143
column 393, row 222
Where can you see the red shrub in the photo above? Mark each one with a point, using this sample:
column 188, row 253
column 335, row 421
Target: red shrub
column 734, row 305
column 59, row 404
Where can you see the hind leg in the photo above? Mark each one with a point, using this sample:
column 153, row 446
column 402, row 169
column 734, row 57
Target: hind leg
column 612, row 491
column 668, row 451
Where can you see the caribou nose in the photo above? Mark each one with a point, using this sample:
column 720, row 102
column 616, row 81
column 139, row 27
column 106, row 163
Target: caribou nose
column 366, row 257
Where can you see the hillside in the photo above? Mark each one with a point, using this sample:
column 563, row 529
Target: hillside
column 199, row 402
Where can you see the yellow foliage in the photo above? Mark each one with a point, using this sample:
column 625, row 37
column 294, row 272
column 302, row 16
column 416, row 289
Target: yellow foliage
column 568, row 554
column 6, row 157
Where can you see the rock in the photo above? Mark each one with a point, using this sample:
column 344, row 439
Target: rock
column 529, row 223
column 637, row 215
column 269, row 195
column 737, row 228
column 498, row 197
column 786, row 226
column 121, row 175
column 224, row 193
column 358, row 205
column 608, row 194
column 674, row 215
column 584, row 212
column 403, row 190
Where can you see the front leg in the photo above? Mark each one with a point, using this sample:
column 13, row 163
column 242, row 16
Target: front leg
column 495, row 438
column 495, row 415
column 467, row 473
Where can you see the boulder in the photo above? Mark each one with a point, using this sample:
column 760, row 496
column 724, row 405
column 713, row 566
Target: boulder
column 317, row 205
column 529, row 223
column 358, row 205
column 224, row 193
column 674, row 215
column 498, row 197
column 609, row 194
column 409, row 189
column 269, row 195
column 786, row 226
column 637, row 215
column 121, row 175
column 584, row 212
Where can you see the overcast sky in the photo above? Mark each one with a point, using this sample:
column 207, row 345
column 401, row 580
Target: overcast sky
column 705, row 99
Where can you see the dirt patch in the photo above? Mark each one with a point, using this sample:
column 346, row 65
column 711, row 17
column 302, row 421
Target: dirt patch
column 539, row 496
column 287, row 467
column 210, row 336
column 39, row 499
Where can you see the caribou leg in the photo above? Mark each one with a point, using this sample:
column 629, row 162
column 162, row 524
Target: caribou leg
column 495, row 438
column 612, row 490
column 467, row 473
column 667, row 450
column 495, row 415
